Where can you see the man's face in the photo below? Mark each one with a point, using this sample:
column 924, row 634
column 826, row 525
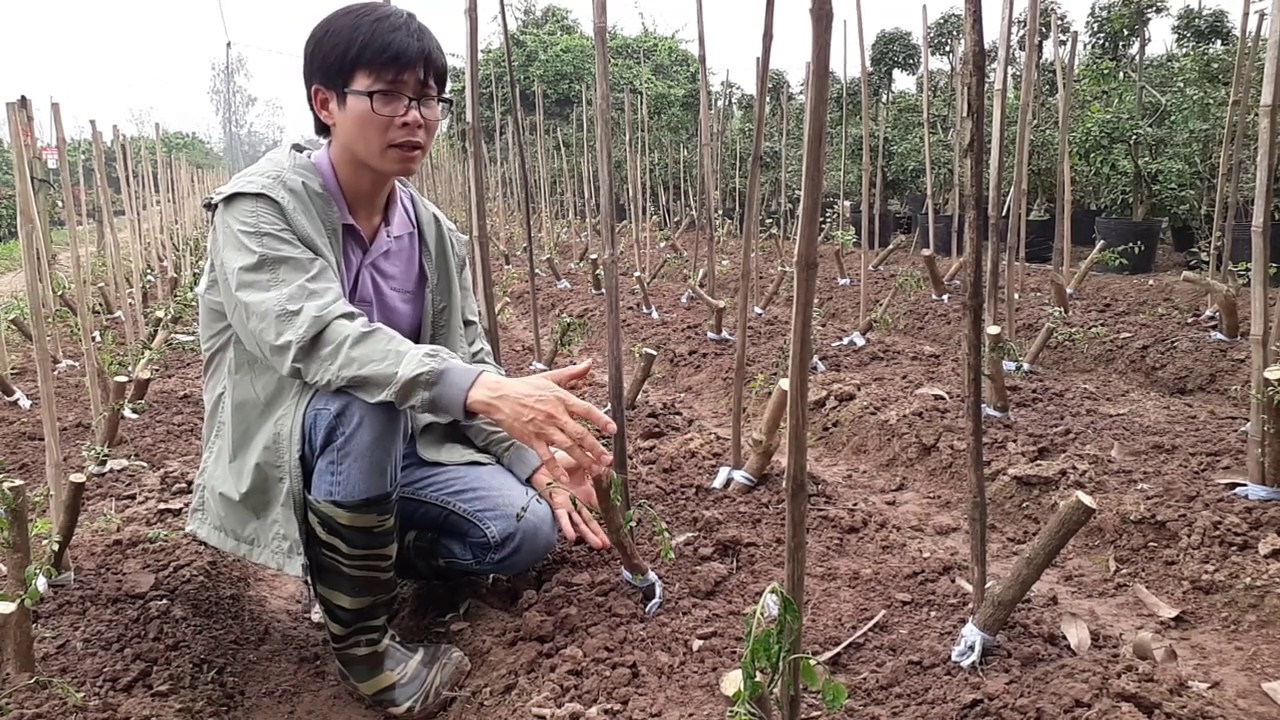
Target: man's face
column 379, row 125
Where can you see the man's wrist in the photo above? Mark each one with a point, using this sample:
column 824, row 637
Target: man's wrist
column 482, row 394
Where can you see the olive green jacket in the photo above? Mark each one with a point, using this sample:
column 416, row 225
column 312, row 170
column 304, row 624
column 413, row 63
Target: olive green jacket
column 275, row 328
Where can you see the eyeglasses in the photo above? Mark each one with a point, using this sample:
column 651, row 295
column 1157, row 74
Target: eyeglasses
column 393, row 104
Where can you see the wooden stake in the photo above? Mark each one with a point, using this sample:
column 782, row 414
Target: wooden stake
column 1037, row 347
column 1072, row 515
column 115, row 405
column 646, row 305
column 765, row 440
column 704, row 143
column 1088, row 264
column 596, row 287
column 716, row 307
column 21, row 642
column 643, row 369
column 998, row 396
column 1225, row 297
column 1058, row 290
column 72, row 504
column 931, row 267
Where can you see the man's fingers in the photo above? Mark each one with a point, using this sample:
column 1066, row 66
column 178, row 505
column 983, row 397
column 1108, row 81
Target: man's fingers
column 592, row 414
column 549, row 461
column 567, row 376
column 566, row 525
column 591, row 531
column 582, row 438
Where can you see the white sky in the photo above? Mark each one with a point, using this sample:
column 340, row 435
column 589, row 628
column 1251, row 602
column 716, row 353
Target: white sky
column 107, row 61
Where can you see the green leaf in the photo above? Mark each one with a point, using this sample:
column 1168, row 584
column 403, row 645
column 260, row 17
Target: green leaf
column 834, row 695
column 809, row 675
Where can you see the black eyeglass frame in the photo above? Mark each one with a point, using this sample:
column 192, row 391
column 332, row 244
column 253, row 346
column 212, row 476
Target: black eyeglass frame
column 444, row 102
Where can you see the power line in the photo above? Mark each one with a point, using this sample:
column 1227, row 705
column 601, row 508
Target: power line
column 223, row 15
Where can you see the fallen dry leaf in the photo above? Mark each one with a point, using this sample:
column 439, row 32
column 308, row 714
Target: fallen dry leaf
column 1112, row 565
column 936, row 392
column 1155, row 604
column 731, row 683
column 1272, row 689
column 1123, row 452
column 1077, row 632
column 1152, row 647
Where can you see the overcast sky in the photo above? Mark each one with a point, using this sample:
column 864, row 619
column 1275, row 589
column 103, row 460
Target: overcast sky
column 113, row 62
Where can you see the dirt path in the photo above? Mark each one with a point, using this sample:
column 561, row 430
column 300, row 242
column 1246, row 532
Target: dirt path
column 158, row 626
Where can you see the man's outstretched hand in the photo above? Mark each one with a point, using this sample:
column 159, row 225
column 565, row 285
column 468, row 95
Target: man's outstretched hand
column 572, row 503
column 538, row 411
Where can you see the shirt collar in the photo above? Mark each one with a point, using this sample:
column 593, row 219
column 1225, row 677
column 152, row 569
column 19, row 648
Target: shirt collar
column 399, row 218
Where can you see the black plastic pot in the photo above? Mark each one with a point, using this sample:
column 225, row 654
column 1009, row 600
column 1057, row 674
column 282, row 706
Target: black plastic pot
column 941, row 233
column 1134, row 241
column 887, row 227
column 1184, row 237
column 1040, row 241
column 1083, row 224
column 1240, row 249
column 905, row 223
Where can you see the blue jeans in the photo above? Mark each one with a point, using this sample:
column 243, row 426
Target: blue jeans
column 476, row 519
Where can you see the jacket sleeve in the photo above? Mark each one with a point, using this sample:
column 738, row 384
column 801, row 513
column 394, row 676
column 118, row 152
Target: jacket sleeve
column 287, row 306
column 517, row 457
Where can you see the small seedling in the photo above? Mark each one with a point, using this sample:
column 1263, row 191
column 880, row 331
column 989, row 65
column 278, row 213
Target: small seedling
column 772, row 625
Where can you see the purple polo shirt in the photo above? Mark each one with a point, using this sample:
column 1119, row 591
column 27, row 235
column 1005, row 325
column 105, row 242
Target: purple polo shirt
column 383, row 277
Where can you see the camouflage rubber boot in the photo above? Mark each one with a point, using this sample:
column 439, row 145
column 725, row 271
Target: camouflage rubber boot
column 351, row 548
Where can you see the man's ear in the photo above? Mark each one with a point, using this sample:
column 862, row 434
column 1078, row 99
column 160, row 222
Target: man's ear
column 325, row 104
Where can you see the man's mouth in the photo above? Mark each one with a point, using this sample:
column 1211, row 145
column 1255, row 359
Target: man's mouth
column 409, row 145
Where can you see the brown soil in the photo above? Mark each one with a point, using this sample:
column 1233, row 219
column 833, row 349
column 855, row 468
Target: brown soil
column 158, row 626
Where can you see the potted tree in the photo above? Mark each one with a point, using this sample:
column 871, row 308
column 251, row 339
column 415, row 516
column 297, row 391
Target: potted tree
column 1120, row 139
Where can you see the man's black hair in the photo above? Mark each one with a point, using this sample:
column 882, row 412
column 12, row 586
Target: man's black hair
column 374, row 37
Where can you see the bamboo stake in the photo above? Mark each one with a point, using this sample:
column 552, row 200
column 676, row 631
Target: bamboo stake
column 476, row 196
column 633, row 184
column 83, row 316
column 752, row 235
column 1022, row 158
column 29, row 234
column 1237, row 153
column 864, row 236
column 1233, row 107
column 704, row 142
column 1261, row 437
column 996, row 169
column 1065, row 202
column 973, row 74
column 842, row 274
column 813, row 171
column 525, row 197
column 636, row 569
column 939, row 289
